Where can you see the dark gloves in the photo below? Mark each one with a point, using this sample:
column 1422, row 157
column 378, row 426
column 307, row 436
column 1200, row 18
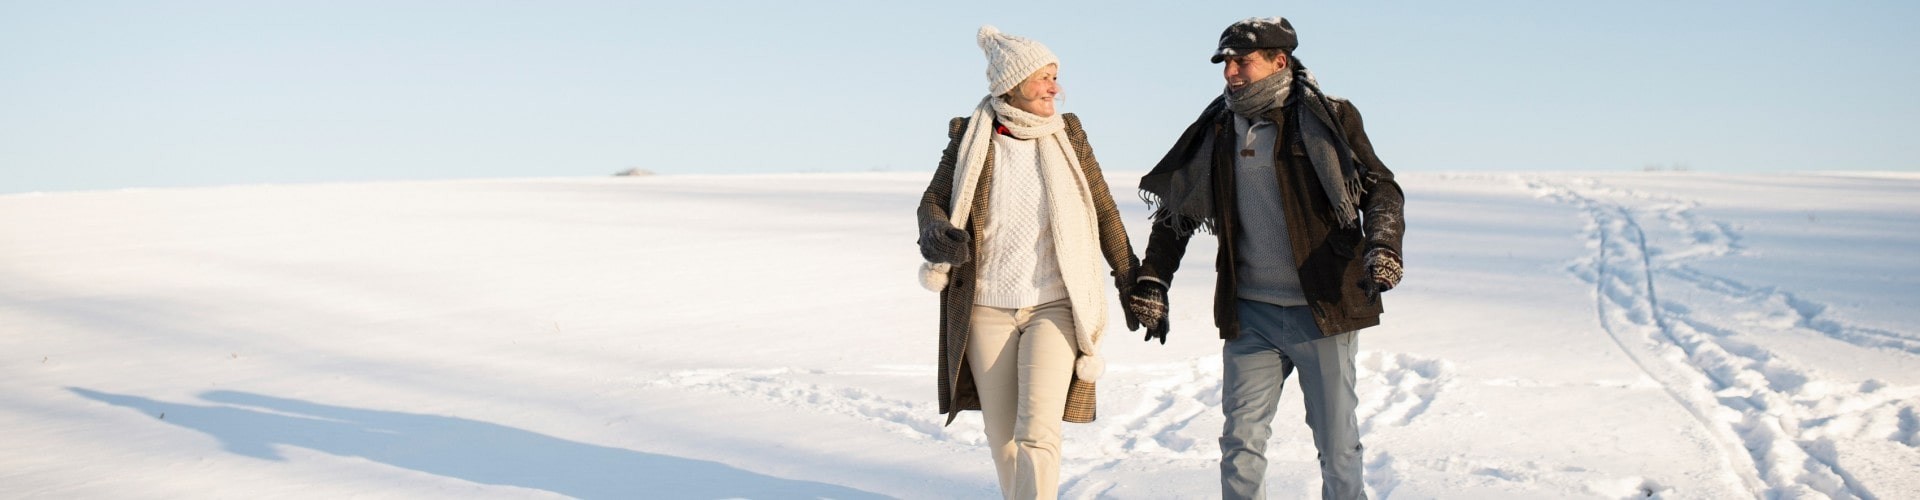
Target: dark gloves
column 944, row 244
column 1383, row 270
column 1123, row 282
column 1148, row 302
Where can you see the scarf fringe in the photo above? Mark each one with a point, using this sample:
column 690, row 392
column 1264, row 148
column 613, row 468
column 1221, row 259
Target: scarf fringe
column 1355, row 171
column 1177, row 189
column 1164, row 215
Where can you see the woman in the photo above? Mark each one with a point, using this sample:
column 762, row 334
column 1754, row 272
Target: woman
column 1014, row 228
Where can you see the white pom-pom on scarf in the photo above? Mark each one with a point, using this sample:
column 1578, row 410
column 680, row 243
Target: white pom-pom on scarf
column 933, row 276
column 1090, row 367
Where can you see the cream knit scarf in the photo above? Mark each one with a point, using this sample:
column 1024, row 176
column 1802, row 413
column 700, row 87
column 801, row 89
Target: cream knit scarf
column 1075, row 239
column 1051, row 131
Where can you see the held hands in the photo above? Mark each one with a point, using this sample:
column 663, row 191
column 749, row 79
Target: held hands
column 1383, row 271
column 944, row 244
column 1123, row 283
column 1148, row 302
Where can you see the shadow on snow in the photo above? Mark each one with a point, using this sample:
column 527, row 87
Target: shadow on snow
column 470, row 450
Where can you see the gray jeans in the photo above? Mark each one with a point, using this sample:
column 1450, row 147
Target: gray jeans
column 1274, row 341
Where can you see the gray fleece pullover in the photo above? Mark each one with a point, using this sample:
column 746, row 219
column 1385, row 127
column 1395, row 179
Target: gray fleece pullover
column 1263, row 252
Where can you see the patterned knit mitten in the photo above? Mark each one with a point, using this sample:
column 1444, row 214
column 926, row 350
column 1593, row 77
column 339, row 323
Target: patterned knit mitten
column 1148, row 303
column 1383, row 270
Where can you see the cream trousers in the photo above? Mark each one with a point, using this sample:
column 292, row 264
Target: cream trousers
column 1022, row 362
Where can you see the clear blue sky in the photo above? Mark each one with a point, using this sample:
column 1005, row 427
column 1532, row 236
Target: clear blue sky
column 112, row 94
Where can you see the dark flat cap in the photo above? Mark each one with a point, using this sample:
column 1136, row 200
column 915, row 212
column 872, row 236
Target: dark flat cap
column 1255, row 33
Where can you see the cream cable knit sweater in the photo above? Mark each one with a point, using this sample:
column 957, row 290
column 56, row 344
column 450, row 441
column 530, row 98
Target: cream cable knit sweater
column 1018, row 265
column 1072, row 225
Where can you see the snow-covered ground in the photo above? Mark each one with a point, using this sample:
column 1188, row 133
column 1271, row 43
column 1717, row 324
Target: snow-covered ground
column 1558, row 336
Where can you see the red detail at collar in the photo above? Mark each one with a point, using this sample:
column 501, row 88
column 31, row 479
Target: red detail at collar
column 1002, row 129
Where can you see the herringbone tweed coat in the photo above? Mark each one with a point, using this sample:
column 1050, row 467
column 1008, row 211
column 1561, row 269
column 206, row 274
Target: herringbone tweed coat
column 957, row 390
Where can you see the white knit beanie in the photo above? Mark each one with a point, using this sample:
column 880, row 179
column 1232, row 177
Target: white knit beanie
column 1011, row 59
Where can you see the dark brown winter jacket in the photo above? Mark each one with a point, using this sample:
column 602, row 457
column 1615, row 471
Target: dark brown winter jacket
column 1330, row 259
column 957, row 390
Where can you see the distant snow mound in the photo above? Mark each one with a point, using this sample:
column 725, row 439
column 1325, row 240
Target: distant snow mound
column 634, row 172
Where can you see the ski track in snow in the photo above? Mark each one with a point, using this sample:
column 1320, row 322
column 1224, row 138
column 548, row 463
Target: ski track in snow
column 1384, row 476
column 1780, row 427
column 1395, row 389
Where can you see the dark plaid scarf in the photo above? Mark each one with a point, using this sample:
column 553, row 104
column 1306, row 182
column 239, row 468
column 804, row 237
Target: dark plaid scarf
column 1180, row 187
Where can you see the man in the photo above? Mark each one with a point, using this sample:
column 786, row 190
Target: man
column 1309, row 225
